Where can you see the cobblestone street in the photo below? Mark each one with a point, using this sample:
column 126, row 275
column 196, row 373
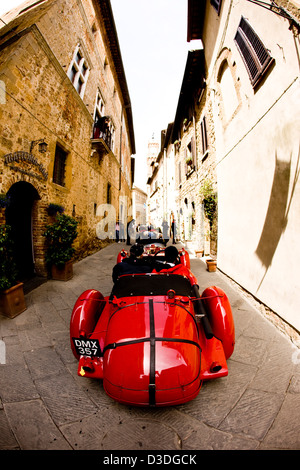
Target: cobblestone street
column 44, row 405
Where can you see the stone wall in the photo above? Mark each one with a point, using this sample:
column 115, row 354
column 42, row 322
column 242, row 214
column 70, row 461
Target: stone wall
column 257, row 141
column 42, row 103
column 193, row 225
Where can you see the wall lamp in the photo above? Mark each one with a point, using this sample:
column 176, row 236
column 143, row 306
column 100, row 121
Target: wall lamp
column 42, row 145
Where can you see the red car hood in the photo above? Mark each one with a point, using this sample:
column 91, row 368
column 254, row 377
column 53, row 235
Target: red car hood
column 148, row 334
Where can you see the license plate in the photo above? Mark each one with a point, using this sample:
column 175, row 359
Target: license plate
column 87, row 347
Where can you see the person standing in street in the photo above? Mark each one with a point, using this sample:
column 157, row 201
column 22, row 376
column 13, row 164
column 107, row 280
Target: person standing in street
column 117, row 232
column 173, row 228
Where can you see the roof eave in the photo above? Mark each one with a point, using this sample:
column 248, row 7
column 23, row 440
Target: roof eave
column 106, row 12
column 196, row 15
column 193, row 81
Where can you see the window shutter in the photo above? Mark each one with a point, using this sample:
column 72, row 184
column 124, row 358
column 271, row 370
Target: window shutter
column 203, row 135
column 216, row 4
column 59, row 166
column 193, row 146
column 254, row 54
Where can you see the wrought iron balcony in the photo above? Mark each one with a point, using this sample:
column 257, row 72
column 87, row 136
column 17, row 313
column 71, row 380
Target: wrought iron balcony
column 101, row 137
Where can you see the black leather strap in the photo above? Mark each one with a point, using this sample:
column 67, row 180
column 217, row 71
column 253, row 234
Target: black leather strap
column 152, row 387
column 145, row 340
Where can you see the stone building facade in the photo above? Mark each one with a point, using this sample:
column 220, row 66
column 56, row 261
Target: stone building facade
column 186, row 163
column 139, row 206
column 155, row 184
column 193, row 139
column 252, row 77
column 236, row 130
column 153, row 177
column 161, row 182
column 63, row 84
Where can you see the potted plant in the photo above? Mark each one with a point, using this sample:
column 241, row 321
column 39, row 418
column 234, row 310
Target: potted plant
column 4, row 200
column 189, row 160
column 211, row 265
column 177, row 145
column 199, row 253
column 59, row 240
column 12, row 299
column 209, row 200
column 54, row 209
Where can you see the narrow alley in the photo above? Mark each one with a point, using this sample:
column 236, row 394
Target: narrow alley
column 45, row 405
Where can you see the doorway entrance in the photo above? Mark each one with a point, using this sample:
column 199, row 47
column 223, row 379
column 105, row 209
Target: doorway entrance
column 19, row 216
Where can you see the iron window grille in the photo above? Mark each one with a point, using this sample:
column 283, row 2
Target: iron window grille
column 108, row 193
column 59, row 169
column 254, row 54
column 103, row 127
column 102, row 130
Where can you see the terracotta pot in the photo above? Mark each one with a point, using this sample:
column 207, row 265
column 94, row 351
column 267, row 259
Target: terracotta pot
column 62, row 274
column 12, row 301
column 211, row 265
column 199, row 253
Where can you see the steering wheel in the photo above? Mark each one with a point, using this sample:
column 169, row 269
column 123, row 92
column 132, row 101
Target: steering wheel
column 154, row 259
column 176, row 261
column 159, row 251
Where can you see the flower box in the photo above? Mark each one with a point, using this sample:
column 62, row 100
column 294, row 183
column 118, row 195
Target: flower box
column 12, row 301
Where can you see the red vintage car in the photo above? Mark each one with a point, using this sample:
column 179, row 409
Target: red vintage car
column 155, row 339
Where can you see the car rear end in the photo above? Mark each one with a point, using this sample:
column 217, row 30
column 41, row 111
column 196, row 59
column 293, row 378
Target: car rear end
column 152, row 354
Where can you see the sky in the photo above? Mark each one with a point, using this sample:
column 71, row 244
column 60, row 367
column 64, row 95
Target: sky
column 7, row 5
column 152, row 38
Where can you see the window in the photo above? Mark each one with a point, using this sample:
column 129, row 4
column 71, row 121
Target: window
column 204, row 135
column 216, row 4
column 104, row 129
column 179, row 173
column 112, row 136
column 254, row 54
column 108, row 193
column 59, row 166
column 190, row 156
column 103, row 126
column 228, row 91
column 99, row 106
column 188, row 153
column 79, row 71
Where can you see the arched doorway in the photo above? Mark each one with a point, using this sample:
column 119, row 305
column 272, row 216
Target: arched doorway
column 18, row 215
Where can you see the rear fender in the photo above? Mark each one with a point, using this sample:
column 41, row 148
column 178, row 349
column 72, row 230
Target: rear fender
column 123, row 254
column 85, row 315
column 220, row 317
